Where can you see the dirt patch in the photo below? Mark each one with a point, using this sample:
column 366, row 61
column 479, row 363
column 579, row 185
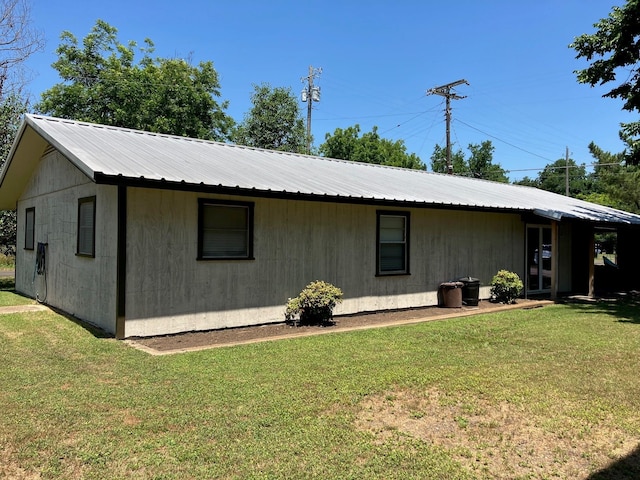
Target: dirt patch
column 498, row 441
column 235, row 336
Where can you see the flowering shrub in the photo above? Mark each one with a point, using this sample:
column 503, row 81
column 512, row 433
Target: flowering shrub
column 506, row 286
column 314, row 305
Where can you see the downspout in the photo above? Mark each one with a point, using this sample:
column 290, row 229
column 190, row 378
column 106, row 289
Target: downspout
column 121, row 261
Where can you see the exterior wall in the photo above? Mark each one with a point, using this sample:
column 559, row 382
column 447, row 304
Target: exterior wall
column 83, row 287
column 296, row 242
column 565, row 239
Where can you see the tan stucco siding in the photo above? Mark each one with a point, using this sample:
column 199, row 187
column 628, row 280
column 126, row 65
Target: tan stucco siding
column 296, row 242
column 84, row 287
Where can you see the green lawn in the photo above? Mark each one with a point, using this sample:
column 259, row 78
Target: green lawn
column 552, row 392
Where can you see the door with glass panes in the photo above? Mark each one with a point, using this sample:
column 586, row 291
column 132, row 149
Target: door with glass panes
column 539, row 253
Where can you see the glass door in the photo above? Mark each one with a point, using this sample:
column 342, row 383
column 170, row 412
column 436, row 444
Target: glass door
column 538, row 259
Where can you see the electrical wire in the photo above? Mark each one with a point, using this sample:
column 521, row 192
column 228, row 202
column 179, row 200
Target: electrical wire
column 41, row 269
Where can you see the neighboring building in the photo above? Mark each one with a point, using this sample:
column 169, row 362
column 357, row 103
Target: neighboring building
column 151, row 234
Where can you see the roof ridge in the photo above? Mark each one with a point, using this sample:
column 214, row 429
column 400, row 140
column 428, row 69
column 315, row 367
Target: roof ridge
column 216, row 142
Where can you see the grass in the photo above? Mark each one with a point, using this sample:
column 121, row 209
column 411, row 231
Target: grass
column 8, row 296
column 542, row 391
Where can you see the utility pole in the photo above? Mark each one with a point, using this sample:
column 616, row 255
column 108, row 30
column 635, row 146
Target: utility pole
column 566, row 176
column 310, row 94
column 445, row 91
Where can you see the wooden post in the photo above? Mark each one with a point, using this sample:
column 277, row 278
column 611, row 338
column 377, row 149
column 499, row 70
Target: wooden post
column 554, row 260
column 592, row 269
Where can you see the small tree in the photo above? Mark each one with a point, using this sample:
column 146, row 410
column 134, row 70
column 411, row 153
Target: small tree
column 314, row 305
column 506, row 286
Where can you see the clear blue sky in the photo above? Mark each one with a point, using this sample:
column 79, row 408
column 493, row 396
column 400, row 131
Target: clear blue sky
column 378, row 59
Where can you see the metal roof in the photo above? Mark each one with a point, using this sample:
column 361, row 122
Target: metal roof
column 111, row 154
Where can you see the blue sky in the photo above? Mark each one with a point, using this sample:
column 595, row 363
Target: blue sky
column 378, row 59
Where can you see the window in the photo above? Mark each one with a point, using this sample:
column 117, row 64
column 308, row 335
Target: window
column 225, row 230
column 86, row 227
column 392, row 243
column 29, row 228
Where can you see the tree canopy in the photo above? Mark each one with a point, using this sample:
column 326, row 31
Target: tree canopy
column 347, row 144
column 614, row 53
column 618, row 184
column 273, row 122
column 553, row 178
column 103, row 83
column 478, row 165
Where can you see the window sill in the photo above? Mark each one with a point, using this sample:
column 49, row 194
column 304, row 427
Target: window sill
column 393, row 274
column 216, row 259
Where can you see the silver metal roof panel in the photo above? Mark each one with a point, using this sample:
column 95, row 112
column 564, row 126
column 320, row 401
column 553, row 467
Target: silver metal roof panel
column 100, row 151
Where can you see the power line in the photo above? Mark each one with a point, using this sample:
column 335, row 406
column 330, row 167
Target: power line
column 504, row 141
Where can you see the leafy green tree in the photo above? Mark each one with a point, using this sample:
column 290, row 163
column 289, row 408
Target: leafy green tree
column 347, row 144
column 619, row 182
column 274, row 121
column 103, row 83
column 478, row 165
column 439, row 161
column 12, row 107
column 614, row 50
column 553, row 178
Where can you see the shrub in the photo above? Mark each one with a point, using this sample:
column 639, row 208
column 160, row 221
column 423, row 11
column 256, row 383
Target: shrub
column 506, row 287
column 314, row 305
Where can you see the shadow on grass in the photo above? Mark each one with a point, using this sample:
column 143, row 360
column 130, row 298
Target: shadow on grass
column 92, row 329
column 624, row 307
column 625, row 468
column 8, row 284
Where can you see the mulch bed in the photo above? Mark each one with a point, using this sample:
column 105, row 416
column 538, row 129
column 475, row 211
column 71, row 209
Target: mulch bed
column 234, row 336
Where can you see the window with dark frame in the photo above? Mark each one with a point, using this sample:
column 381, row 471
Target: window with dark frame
column 29, row 228
column 225, row 230
column 86, row 227
column 392, row 255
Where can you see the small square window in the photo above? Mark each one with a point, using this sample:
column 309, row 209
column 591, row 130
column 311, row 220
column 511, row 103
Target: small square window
column 225, row 230
column 392, row 243
column 29, row 228
column 86, row 227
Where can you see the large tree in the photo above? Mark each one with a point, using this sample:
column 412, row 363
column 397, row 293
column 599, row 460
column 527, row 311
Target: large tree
column 618, row 182
column 273, row 122
column 478, row 165
column 614, row 53
column 103, row 83
column 553, row 178
column 12, row 107
column 18, row 41
column 347, row 144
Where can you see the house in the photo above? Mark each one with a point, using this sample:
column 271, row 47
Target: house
column 145, row 234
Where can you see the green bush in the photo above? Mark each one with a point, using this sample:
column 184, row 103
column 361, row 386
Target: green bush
column 506, row 286
column 314, row 305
